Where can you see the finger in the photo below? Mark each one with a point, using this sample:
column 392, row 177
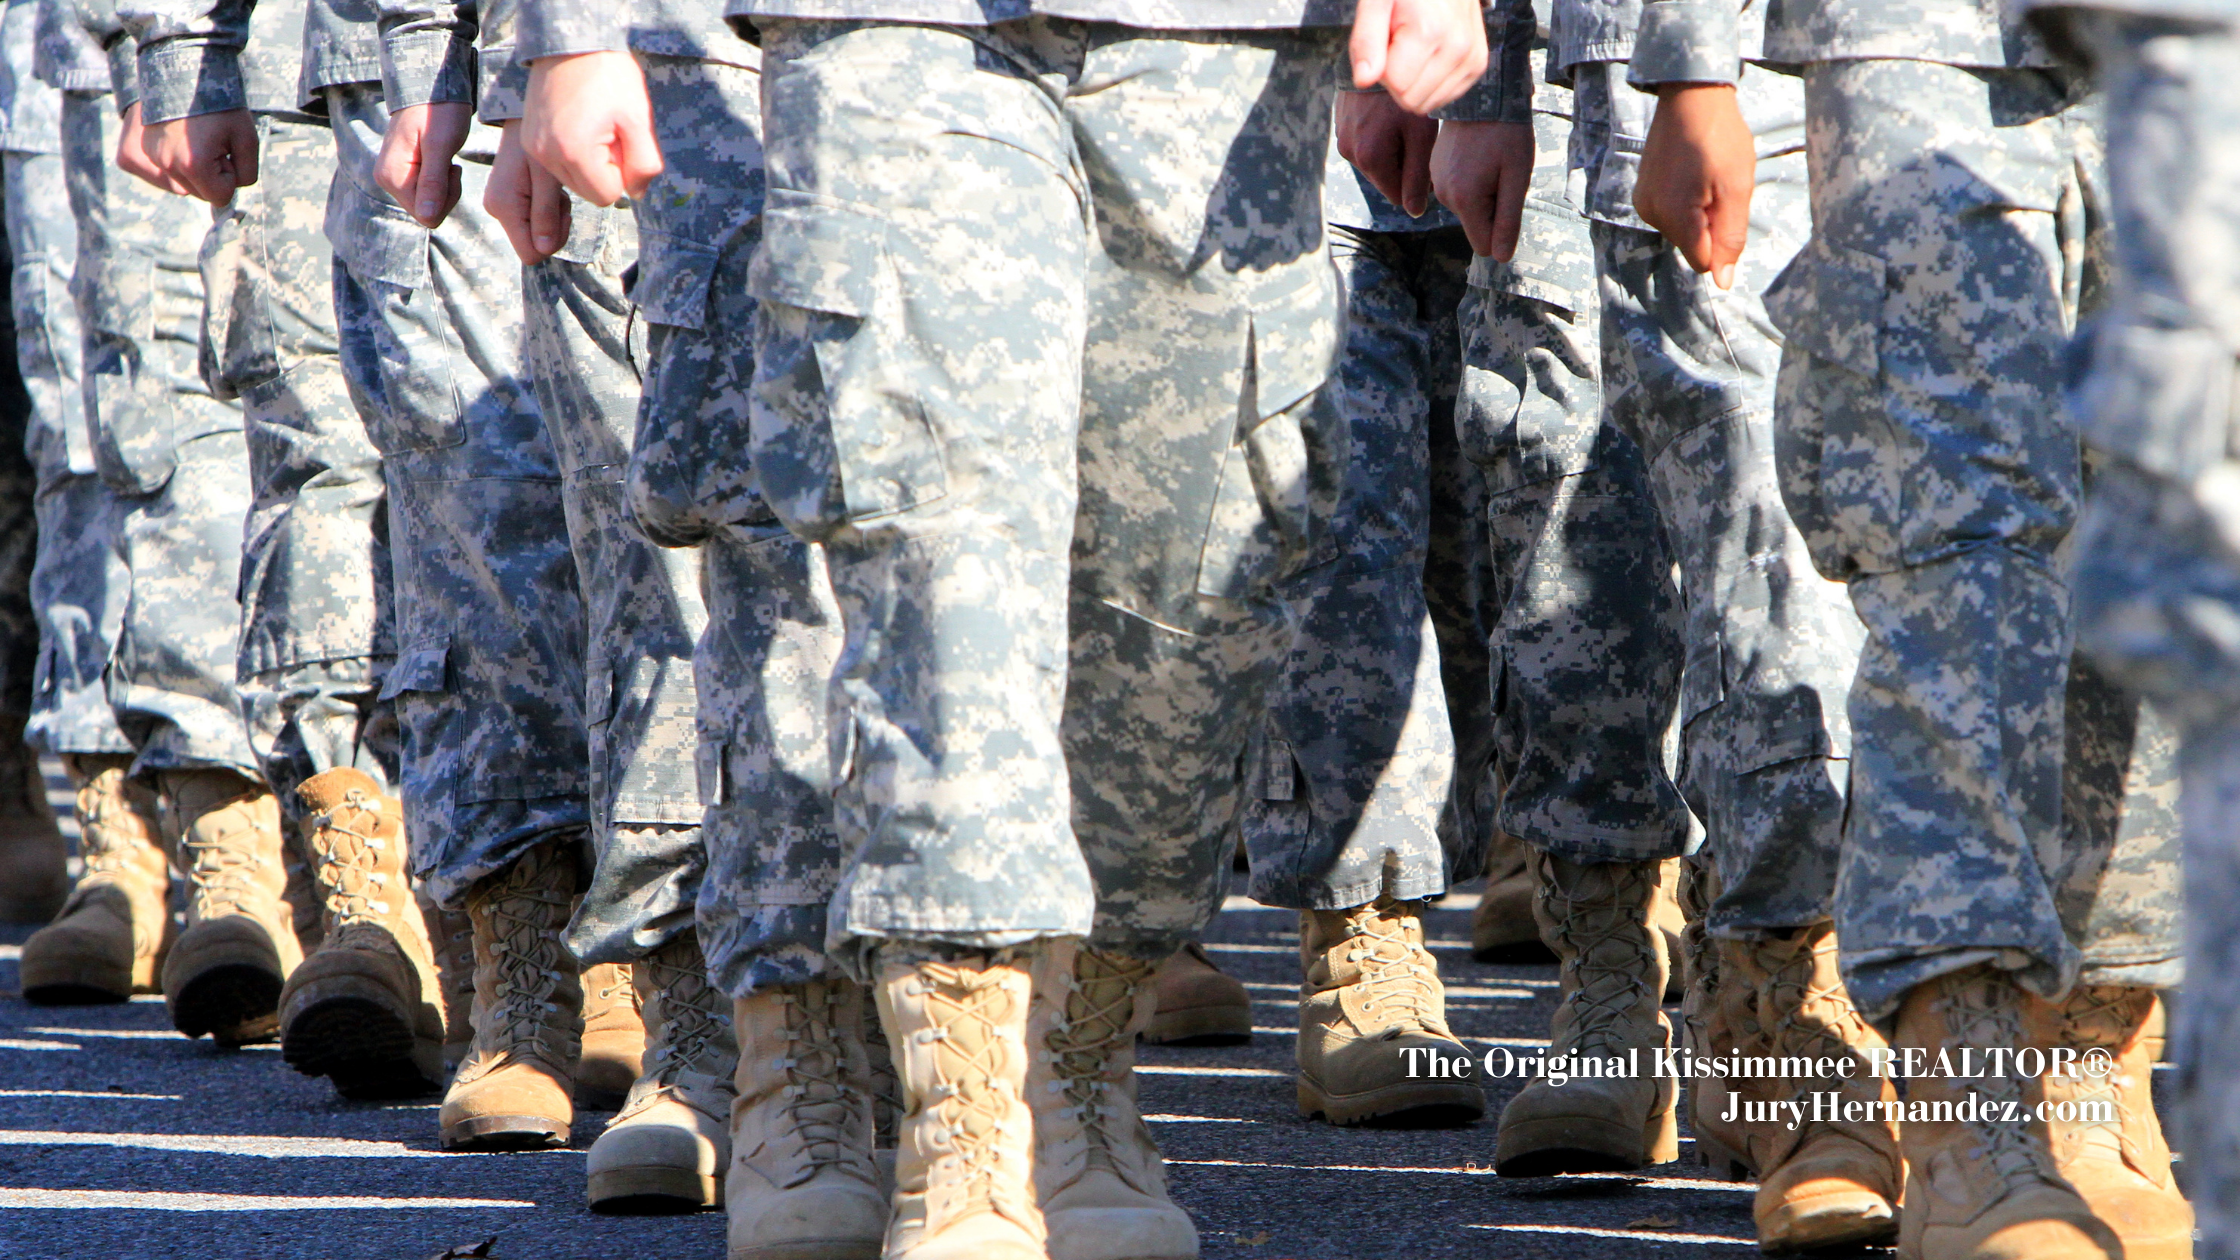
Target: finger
column 396, row 168
column 640, row 157
column 426, row 192
column 1693, row 239
column 1415, row 167
column 548, row 212
column 1372, row 32
column 1508, row 215
column 1404, row 69
column 1380, row 160
column 244, row 157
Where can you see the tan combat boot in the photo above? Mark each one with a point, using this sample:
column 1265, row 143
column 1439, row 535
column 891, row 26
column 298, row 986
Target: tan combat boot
column 1827, row 1182
column 451, row 933
column 1597, row 919
column 2106, row 1140
column 1502, row 929
column 804, row 1184
column 964, row 1153
column 1986, row 1186
column 364, row 1009
column 1718, row 1018
column 1196, row 1003
column 667, row 1149
column 224, row 973
column 108, row 942
column 34, row 858
column 1097, row 1173
column 1373, row 1038
column 1671, row 922
column 614, row 1037
column 512, row 1091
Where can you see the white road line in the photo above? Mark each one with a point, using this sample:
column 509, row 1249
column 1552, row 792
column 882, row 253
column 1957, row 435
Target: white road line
column 87, row 1093
column 260, row 1146
column 10, row 953
column 1641, row 1234
column 1636, row 1180
column 162, row 1201
column 127, row 1034
column 1160, row 1119
column 12, row 1043
column 1260, row 1073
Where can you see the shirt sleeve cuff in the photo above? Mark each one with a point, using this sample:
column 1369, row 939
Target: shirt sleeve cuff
column 426, row 68
column 558, row 28
column 1504, row 92
column 177, row 80
column 505, row 82
column 1687, row 41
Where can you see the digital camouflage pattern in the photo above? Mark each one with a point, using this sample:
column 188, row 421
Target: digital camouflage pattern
column 643, row 601
column 316, row 613
column 171, row 452
column 772, row 633
column 1155, row 15
column 1582, row 625
column 2158, row 576
column 1348, row 774
column 490, row 620
column 1772, row 646
column 1923, row 457
column 1128, row 292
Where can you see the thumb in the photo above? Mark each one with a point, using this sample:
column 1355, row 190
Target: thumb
column 638, row 154
column 244, row 157
column 1727, row 229
column 431, row 188
column 1372, row 34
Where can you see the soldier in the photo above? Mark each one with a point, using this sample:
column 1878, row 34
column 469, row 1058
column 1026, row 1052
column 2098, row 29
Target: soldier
column 937, row 466
column 365, row 1008
column 107, row 942
column 2008, row 865
column 173, row 453
column 667, row 1147
column 490, row 622
column 51, row 563
column 2156, row 579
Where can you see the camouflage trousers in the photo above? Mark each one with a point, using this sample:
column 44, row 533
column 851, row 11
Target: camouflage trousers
column 19, row 544
column 488, row 680
column 315, row 617
column 170, row 451
column 642, row 602
column 1063, row 286
column 1576, row 641
column 772, row 631
column 1348, row 775
column 78, row 584
column 2158, row 572
column 1772, row 646
column 2007, row 803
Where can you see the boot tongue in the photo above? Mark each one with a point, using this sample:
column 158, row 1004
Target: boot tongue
column 1099, row 1023
column 1394, row 968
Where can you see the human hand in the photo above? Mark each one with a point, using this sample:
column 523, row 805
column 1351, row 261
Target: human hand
column 1481, row 171
column 415, row 165
column 1424, row 52
column 206, row 156
column 1389, row 145
column 526, row 200
column 587, row 120
column 1698, row 170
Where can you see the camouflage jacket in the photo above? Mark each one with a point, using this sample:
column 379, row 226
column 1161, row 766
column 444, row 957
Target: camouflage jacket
column 661, row 28
column 1706, row 41
column 82, row 48
column 206, row 56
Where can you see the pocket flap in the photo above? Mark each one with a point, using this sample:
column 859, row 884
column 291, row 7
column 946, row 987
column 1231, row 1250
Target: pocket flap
column 1554, row 262
column 375, row 238
column 818, row 253
column 674, row 276
column 425, row 666
column 1295, row 334
column 2163, row 398
column 1829, row 301
column 602, row 698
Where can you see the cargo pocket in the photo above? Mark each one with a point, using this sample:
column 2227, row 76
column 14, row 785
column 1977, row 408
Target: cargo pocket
column 1278, row 485
column 135, row 447
column 1530, row 409
column 399, row 344
column 854, row 441
column 417, row 683
column 1834, row 449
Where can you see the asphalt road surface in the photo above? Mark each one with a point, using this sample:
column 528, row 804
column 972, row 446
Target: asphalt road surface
column 119, row 1138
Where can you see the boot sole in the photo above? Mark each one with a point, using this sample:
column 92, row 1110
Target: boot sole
column 1722, row 1162
column 832, row 1249
column 357, row 1043
column 1421, row 1104
column 1581, row 1144
column 652, row 1191
column 235, row 1003
column 505, row 1133
column 1200, row 1026
column 1864, row 1219
column 73, row 993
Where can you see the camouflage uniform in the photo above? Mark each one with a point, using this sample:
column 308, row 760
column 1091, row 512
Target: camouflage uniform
column 77, row 584
column 1689, row 370
column 315, row 633
column 171, row 451
column 1580, row 620
column 2158, row 577
column 1106, row 325
column 771, row 630
column 1922, row 458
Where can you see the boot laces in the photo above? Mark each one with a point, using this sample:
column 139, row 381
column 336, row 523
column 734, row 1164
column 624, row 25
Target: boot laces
column 220, row 865
column 685, row 1028
column 526, row 953
column 818, row 1101
column 1975, row 1016
column 105, row 846
column 349, row 860
column 1606, row 948
column 964, row 1092
column 1396, row 971
column 2101, row 1017
column 1096, row 1024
